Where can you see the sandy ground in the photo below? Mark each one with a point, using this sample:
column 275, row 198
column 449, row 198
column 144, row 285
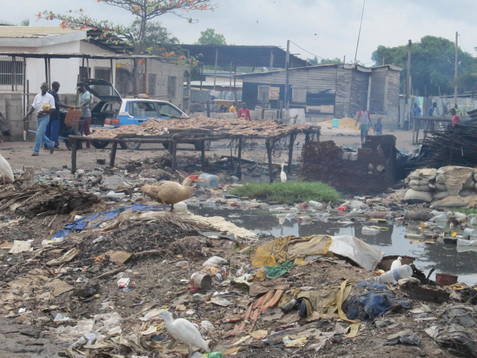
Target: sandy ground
column 19, row 153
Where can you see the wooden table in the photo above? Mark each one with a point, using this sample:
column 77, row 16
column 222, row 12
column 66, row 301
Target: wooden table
column 428, row 125
column 174, row 140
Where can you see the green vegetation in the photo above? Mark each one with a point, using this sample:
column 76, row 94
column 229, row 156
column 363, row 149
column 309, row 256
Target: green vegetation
column 287, row 193
column 467, row 211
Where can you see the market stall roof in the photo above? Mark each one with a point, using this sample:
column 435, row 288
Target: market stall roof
column 250, row 56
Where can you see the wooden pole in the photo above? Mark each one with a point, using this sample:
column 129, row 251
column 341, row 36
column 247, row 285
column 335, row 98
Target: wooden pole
column 239, row 158
column 359, row 33
column 202, row 155
column 215, row 66
column 456, row 65
column 290, row 151
column 112, row 158
column 74, row 150
column 407, row 110
column 287, row 80
column 269, row 146
column 174, row 154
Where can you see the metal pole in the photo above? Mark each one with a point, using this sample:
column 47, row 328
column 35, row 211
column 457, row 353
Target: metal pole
column 287, row 80
column 215, row 66
column 359, row 32
column 456, row 64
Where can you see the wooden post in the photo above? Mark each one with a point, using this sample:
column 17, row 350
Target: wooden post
column 290, row 151
column 269, row 145
column 456, row 67
column 239, row 158
column 74, row 150
column 174, row 154
column 202, row 155
column 112, row 158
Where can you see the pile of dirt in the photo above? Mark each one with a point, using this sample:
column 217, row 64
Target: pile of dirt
column 40, row 199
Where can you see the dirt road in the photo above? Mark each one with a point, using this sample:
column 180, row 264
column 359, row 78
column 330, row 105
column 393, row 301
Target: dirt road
column 19, row 153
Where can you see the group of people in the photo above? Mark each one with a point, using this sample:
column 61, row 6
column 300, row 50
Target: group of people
column 364, row 122
column 242, row 111
column 46, row 107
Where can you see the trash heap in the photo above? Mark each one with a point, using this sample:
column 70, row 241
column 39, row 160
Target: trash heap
column 446, row 187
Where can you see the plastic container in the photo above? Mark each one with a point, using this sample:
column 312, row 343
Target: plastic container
column 393, row 276
column 209, row 180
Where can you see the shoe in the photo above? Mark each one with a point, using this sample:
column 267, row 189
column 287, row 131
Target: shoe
column 35, row 154
column 52, row 150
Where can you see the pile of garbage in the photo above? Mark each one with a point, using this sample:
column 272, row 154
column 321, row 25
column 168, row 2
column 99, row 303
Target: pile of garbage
column 446, row 187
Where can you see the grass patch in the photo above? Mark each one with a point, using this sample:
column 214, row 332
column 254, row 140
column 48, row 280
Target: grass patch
column 467, row 211
column 287, row 193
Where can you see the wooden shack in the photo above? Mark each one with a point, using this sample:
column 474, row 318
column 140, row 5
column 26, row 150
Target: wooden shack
column 328, row 91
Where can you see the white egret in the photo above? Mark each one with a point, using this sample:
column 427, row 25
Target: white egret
column 184, row 331
column 283, row 175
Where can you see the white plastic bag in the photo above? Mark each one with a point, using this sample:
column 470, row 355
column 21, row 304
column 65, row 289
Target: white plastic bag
column 6, row 172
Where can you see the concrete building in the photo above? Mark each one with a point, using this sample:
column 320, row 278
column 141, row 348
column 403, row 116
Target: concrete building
column 328, row 91
column 31, row 55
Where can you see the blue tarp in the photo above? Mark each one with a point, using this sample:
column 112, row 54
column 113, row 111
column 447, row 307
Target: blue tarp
column 373, row 302
column 101, row 217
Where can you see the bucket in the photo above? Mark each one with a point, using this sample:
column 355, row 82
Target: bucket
column 201, row 281
column 444, row 279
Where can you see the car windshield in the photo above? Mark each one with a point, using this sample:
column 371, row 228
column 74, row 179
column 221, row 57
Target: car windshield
column 169, row 111
column 144, row 109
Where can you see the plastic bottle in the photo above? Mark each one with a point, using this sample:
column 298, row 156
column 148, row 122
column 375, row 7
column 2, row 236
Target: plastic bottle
column 392, row 276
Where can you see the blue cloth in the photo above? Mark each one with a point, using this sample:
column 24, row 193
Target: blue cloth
column 41, row 138
column 373, row 302
column 96, row 219
column 53, row 130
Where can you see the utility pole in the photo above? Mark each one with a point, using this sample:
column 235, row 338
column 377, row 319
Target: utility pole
column 407, row 114
column 456, row 64
column 287, row 79
column 359, row 33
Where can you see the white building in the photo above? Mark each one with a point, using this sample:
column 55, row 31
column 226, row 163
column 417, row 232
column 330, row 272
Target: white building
column 67, row 56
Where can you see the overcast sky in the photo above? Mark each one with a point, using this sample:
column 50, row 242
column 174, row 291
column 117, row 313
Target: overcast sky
column 327, row 28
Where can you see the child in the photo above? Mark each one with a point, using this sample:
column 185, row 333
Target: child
column 378, row 127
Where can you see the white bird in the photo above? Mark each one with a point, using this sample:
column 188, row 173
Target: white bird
column 396, row 263
column 283, row 175
column 184, row 331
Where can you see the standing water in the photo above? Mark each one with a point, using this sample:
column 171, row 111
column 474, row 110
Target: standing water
column 430, row 254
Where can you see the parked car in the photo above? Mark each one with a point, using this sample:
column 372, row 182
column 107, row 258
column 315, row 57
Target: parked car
column 112, row 110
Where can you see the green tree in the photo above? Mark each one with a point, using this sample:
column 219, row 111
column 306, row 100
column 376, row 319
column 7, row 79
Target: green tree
column 142, row 11
column 432, row 69
column 210, row 37
column 324, row 61
column 157, row 39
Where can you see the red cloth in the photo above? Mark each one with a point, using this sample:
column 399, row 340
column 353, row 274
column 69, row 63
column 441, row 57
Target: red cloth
column 455, row 120
column 244, row 113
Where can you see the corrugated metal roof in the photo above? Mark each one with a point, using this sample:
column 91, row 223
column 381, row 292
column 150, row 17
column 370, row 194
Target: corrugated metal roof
column 33, row 31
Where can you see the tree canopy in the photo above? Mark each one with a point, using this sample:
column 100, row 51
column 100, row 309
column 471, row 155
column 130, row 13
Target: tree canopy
column 324, row 61
column 432, row 66
column 143, row 12
column 210, row 37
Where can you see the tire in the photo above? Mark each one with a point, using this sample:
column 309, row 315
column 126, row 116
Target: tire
column 100, row 144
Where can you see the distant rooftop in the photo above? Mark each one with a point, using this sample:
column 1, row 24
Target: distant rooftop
column 33, row 31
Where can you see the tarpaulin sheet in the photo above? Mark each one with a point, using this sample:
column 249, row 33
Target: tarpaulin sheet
column 357, row 251
column 96, row 219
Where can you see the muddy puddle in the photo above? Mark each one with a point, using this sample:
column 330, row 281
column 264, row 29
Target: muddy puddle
column 443, row 257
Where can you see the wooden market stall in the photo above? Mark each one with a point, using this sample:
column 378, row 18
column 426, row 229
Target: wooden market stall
column 198, row 131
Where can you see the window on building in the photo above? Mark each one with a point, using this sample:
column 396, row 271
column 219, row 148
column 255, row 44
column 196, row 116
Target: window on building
column 102, row 73
column 171, row 87
column 11, row 72
column 151, row 85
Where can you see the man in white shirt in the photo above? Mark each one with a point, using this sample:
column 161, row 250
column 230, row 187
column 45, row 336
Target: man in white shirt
column 43, row 104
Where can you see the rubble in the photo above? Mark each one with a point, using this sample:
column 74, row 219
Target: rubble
column 96, row 279
column 446, row 187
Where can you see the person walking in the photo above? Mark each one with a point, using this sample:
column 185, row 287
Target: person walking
column 43, row 104
column 362, row 118
column 85, row 99
column 53, row 129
